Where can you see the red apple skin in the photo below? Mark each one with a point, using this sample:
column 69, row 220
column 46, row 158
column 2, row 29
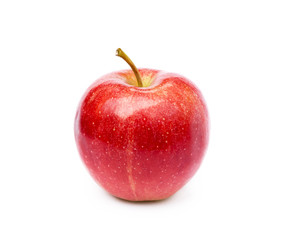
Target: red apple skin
column 142, row 143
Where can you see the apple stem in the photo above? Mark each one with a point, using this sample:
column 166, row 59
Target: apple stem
column 122, row 54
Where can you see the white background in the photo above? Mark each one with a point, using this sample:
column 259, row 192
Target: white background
column 51, row 51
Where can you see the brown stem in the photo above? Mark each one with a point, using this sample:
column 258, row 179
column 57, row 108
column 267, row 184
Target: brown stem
column 122, row 54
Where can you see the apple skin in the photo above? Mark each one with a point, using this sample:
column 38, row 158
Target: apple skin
column 142, row 143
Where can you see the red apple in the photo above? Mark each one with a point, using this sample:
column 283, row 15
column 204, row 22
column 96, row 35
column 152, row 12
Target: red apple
column 142, row 134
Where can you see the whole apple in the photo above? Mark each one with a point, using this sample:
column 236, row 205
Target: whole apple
column 143, row 133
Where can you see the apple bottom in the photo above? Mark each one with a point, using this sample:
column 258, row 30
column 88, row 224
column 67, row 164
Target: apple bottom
column 136, row 175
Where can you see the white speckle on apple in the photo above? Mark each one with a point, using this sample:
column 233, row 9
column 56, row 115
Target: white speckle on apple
column 113, row 129
column 108, row 165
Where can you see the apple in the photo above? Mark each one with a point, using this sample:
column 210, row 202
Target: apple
column 142, row 134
